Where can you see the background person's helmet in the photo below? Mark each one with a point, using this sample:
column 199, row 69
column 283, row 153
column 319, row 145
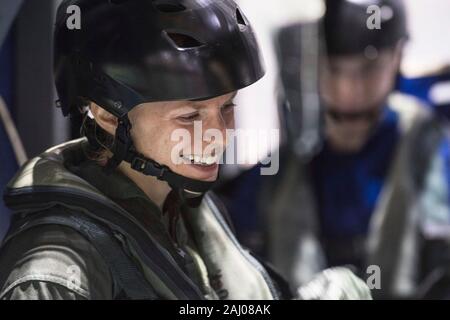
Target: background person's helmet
column 347, row 31
column 130, row 52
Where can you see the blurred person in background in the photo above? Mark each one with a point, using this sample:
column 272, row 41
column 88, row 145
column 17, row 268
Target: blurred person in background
column 376, row 196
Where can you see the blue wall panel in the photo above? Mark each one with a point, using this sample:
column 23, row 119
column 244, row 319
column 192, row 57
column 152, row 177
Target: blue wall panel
column 8, row 165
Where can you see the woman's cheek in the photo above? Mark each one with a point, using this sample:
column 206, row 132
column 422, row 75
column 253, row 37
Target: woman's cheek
column 180, row 142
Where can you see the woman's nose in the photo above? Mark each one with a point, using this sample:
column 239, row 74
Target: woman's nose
column 215, row 129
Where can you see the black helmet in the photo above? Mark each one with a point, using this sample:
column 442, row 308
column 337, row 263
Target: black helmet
column 130, row 52
column 347, row 30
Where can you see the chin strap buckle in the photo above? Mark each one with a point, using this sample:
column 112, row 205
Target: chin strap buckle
column 139, row 164
column 148, row 167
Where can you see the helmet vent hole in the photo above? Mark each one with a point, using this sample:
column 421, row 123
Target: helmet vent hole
column 183, row 41
column 170, row 7
column 240, row 19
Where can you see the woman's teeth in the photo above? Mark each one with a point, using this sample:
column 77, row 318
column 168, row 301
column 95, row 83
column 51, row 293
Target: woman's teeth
column 198, row 160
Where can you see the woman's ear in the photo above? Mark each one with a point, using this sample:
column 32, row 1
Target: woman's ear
column 104, row 119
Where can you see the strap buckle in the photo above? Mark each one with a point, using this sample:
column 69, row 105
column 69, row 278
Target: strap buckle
column 145, row 166
column 163, row 171
column 139, row 164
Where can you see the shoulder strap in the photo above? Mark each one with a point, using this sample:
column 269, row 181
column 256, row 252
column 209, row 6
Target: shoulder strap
column 129, row 281
column 118, row 221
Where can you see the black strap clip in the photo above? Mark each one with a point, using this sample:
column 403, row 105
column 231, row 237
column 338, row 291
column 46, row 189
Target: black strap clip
column 122, row 144
column 139, row 164
column 149, row 167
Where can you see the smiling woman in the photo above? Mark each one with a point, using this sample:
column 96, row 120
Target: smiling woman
column 132, row 222
column 154, row 124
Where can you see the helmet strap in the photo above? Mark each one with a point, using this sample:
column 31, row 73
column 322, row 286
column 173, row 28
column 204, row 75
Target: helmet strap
column 191, row 191
column 122, row 143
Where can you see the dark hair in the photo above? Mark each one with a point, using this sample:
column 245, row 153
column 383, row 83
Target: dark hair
column 100, row 141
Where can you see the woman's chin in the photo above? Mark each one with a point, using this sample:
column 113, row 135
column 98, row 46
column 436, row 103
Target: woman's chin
column 201, row 172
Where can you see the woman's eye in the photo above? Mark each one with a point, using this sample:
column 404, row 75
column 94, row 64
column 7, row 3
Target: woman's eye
column 189, row 117
column 228, row 107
